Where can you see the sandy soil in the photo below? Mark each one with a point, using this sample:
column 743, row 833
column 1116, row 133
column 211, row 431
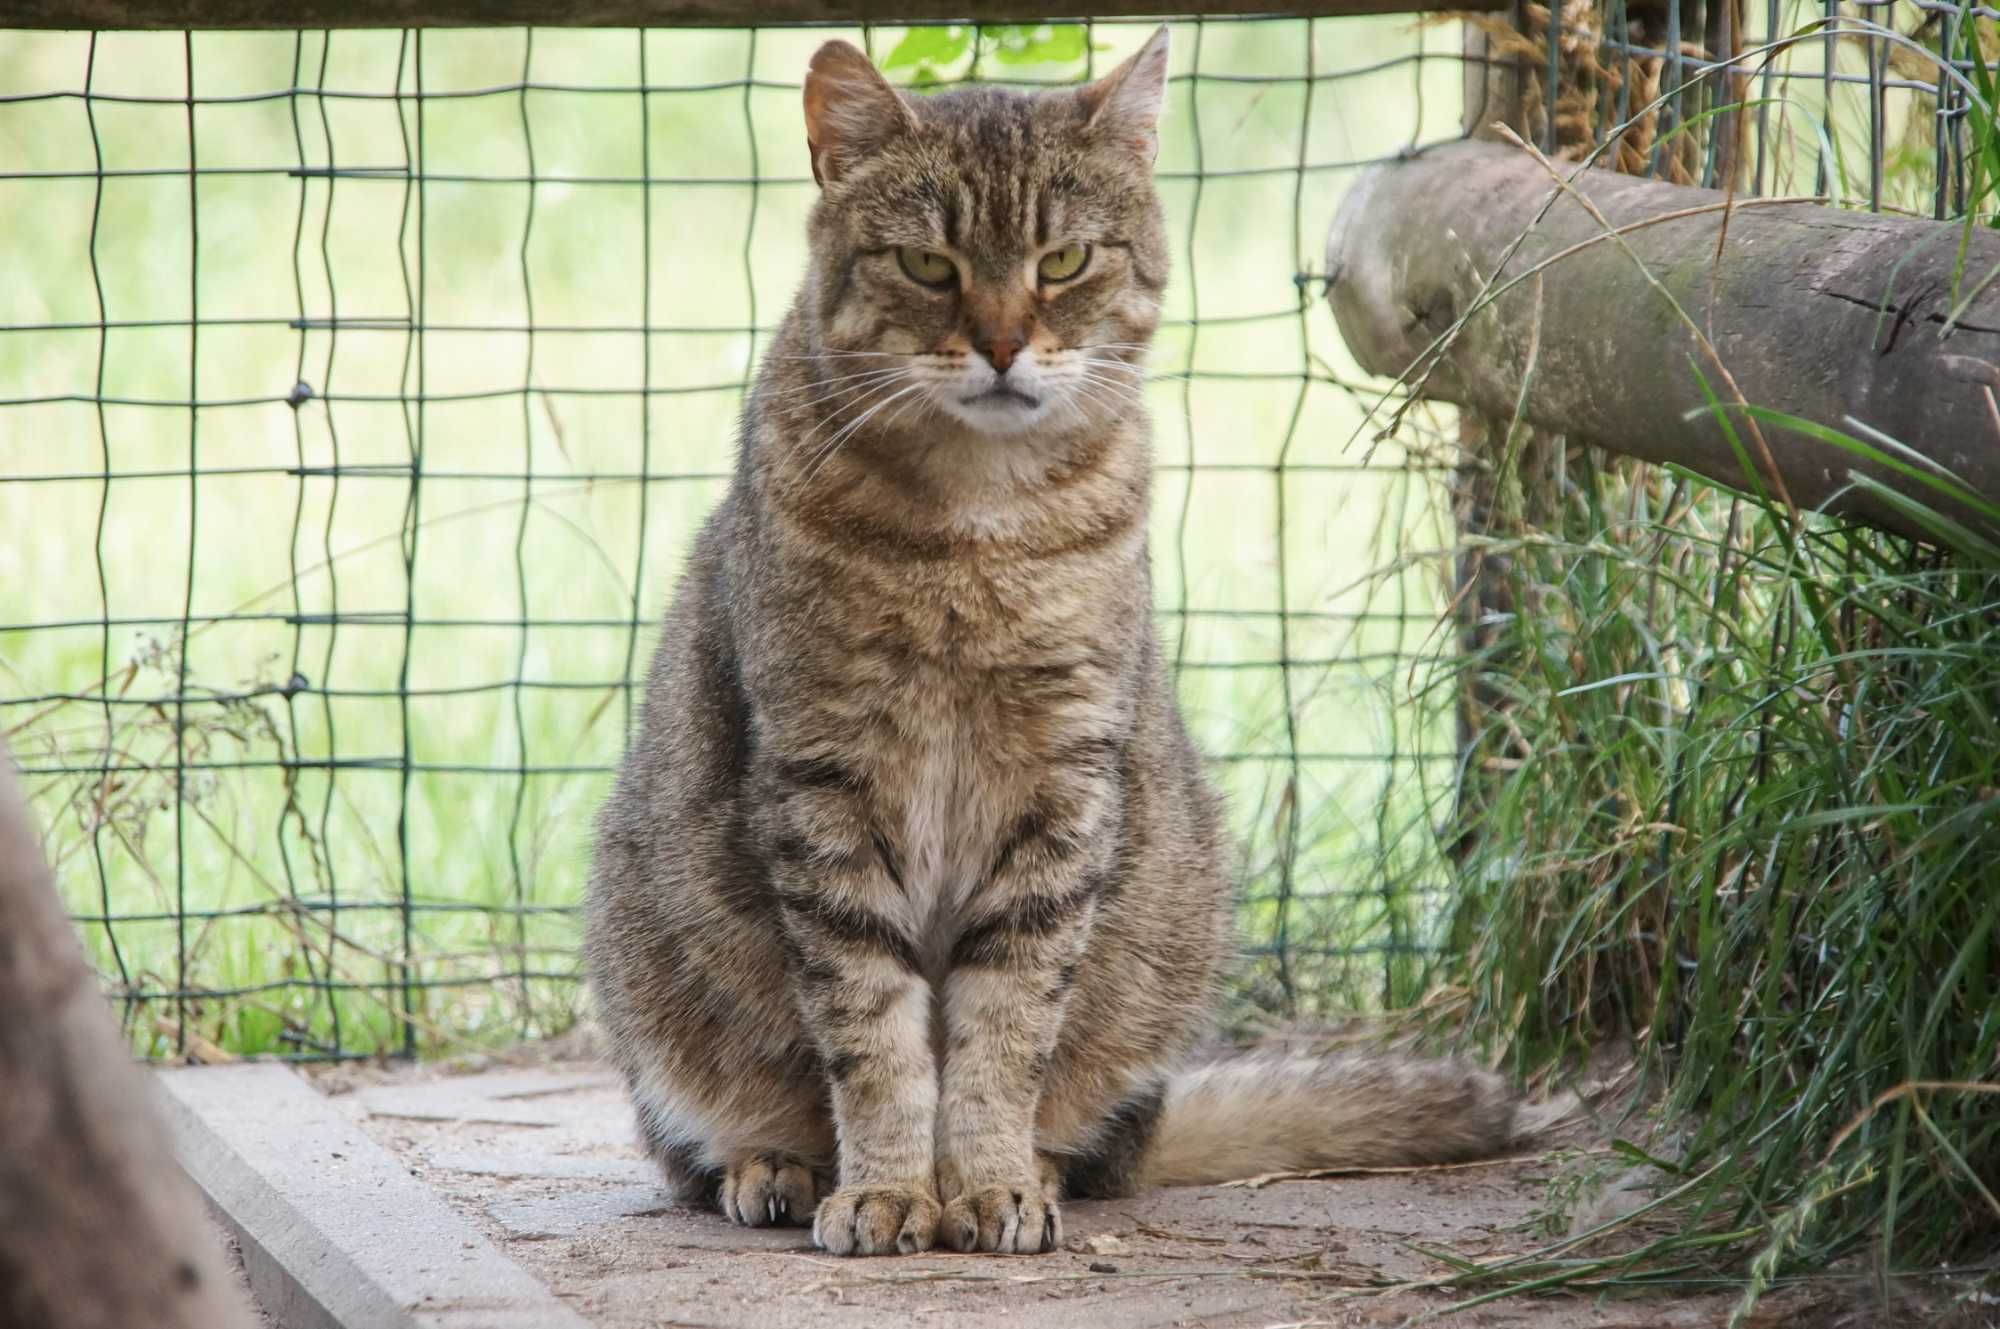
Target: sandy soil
column 543, row 1160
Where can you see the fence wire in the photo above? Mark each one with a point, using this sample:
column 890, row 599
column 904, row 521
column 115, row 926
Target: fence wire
column 360, row 392
column 369, row 385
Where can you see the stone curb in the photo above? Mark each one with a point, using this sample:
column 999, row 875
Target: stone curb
column 335, row 1233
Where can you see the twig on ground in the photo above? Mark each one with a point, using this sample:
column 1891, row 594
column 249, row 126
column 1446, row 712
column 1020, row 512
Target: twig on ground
column 1264, row 1179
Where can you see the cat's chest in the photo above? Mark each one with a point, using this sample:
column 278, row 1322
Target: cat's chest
column 956, row 688
column 961, row 766
column 981, row 619
column 946, row 841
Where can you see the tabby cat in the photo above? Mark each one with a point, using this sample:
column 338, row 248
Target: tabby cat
column 909, row 906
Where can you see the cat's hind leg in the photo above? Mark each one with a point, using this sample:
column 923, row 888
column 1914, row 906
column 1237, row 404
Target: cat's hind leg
column 762, row 1189
column 688, row 1180
column 753, row 1184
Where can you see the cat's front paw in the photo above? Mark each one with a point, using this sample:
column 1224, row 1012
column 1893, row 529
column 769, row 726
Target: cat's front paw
column 760, row 1190
column 876, row 1220
column 1019, row 1219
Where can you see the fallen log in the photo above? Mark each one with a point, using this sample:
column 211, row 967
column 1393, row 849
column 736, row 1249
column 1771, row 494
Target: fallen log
column 98, row 1227
column 1819, row 313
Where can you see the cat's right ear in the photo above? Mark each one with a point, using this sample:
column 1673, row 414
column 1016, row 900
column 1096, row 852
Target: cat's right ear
column 851, row 110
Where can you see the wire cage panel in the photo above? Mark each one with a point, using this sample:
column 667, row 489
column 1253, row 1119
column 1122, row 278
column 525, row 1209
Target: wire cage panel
column 367, row 387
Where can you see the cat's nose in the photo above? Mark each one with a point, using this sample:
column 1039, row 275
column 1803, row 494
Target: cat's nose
column 1001, row 349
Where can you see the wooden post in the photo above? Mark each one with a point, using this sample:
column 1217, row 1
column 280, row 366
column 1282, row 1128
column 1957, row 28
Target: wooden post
column 98, row 1227
column 1495, row 96
column 1516, row 95
column 1827, row 315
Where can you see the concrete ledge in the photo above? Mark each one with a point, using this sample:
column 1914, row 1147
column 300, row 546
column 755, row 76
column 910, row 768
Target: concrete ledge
column 335, row 1232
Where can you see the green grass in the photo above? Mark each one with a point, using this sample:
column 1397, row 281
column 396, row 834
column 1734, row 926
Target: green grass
column 1744, row 811
column 1736, row 803
column 313, row 863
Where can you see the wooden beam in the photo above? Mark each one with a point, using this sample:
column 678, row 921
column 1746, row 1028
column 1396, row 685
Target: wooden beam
column 1819, row 313
column 309, row 14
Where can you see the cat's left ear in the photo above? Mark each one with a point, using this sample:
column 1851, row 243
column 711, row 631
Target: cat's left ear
column 851, row 110
column 1124, row 105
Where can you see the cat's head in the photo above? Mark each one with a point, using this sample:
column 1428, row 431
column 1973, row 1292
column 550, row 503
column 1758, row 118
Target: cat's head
column 992, row 257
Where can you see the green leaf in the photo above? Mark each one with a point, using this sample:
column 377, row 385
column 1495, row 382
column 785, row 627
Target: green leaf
column 1035, row 43
column 930, row 46
column 1938, row 481
column 1632, row 1151
column 1954, row 534
column 1716, row 409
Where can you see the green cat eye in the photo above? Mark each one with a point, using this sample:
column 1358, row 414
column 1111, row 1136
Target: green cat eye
column 926, row 268
column 1065, row 263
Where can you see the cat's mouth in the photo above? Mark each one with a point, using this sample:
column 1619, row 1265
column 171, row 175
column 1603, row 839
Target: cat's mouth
column 998, row 395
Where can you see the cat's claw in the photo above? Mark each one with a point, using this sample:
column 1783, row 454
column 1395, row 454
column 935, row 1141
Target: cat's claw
column 1009, row 1220
column 877, row 1220
column 766, row 1190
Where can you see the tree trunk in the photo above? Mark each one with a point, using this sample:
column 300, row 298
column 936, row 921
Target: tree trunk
column 1827, row 315
column 98, row 1228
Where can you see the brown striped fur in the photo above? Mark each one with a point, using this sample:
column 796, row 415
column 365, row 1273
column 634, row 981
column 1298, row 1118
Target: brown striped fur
column 911, row 898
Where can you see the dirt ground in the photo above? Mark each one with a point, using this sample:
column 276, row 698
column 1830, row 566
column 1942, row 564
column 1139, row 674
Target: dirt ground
column 232, row 1255
column 543, row 1159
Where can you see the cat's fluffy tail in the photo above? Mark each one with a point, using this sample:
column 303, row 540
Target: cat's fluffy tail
column 1280, row 1110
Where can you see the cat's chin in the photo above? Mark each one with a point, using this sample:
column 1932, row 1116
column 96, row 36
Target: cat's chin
column 998, row 413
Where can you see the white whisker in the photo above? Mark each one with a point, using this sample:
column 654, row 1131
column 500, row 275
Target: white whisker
column 1112, row 366
column 833, row 444
column 843, row 378
column 1127, row 391
column 874, row 379
column 921, row 401
column 833, row 416
column 836, row 355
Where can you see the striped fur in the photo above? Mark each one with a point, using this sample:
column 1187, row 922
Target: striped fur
column 911, row 889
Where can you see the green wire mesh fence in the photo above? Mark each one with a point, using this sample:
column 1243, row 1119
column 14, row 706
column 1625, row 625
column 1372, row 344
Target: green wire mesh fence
column 360, row 391
column 363, row 389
